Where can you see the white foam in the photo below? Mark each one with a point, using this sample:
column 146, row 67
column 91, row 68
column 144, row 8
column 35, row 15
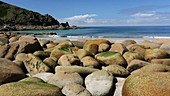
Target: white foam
column 156, row 37
column 160, row 37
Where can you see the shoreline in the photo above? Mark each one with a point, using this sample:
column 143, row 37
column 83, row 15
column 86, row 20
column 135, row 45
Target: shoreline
column 139, row 33
column 150, row 38
column 54, row 35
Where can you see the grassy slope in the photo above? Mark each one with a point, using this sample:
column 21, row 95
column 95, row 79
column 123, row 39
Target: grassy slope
column 15, row 15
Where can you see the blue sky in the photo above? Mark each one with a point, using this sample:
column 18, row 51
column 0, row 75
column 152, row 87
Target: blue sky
column 102, row 12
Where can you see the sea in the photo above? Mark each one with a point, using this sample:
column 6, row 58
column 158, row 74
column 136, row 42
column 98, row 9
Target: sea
column 143, row 32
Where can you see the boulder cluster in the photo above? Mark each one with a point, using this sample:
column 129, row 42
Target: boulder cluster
column 56, row 67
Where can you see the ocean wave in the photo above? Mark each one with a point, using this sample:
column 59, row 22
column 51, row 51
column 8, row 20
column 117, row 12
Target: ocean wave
column 86, row 37
column 157, row 37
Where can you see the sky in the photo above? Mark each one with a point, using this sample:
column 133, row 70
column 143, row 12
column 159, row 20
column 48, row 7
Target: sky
column 102, row 12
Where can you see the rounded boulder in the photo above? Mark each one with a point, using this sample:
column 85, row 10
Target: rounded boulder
column 153, row 84
column 100, row 83
column 9, row 71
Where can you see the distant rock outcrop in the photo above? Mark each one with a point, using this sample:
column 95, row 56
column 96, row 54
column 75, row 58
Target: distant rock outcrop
column 16, row 18
column 66, row 25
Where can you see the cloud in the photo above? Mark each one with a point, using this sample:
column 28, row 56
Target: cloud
column 143, row 14
column 87, row 18
column 139, row 9
column 80, row 17
column 146, row 15
column 136, row 19
column 152, row 18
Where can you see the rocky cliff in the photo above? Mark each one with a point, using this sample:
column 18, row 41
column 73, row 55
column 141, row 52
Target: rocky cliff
column 13, row 17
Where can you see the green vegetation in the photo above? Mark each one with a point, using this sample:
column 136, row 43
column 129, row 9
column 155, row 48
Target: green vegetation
column 31, row 79
column 3, row 11
column 13, row 15
column 39, row 84
column 65, row 48
column 36, row 81
column 107, row 54
column 28, row 88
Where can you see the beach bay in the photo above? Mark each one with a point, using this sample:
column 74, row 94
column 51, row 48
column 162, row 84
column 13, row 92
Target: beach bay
column 145, row 32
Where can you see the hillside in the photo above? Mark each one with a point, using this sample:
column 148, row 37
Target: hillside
column 21, row 18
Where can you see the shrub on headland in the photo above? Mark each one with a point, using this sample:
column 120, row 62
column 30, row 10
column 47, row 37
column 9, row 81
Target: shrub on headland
column 16, row 18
